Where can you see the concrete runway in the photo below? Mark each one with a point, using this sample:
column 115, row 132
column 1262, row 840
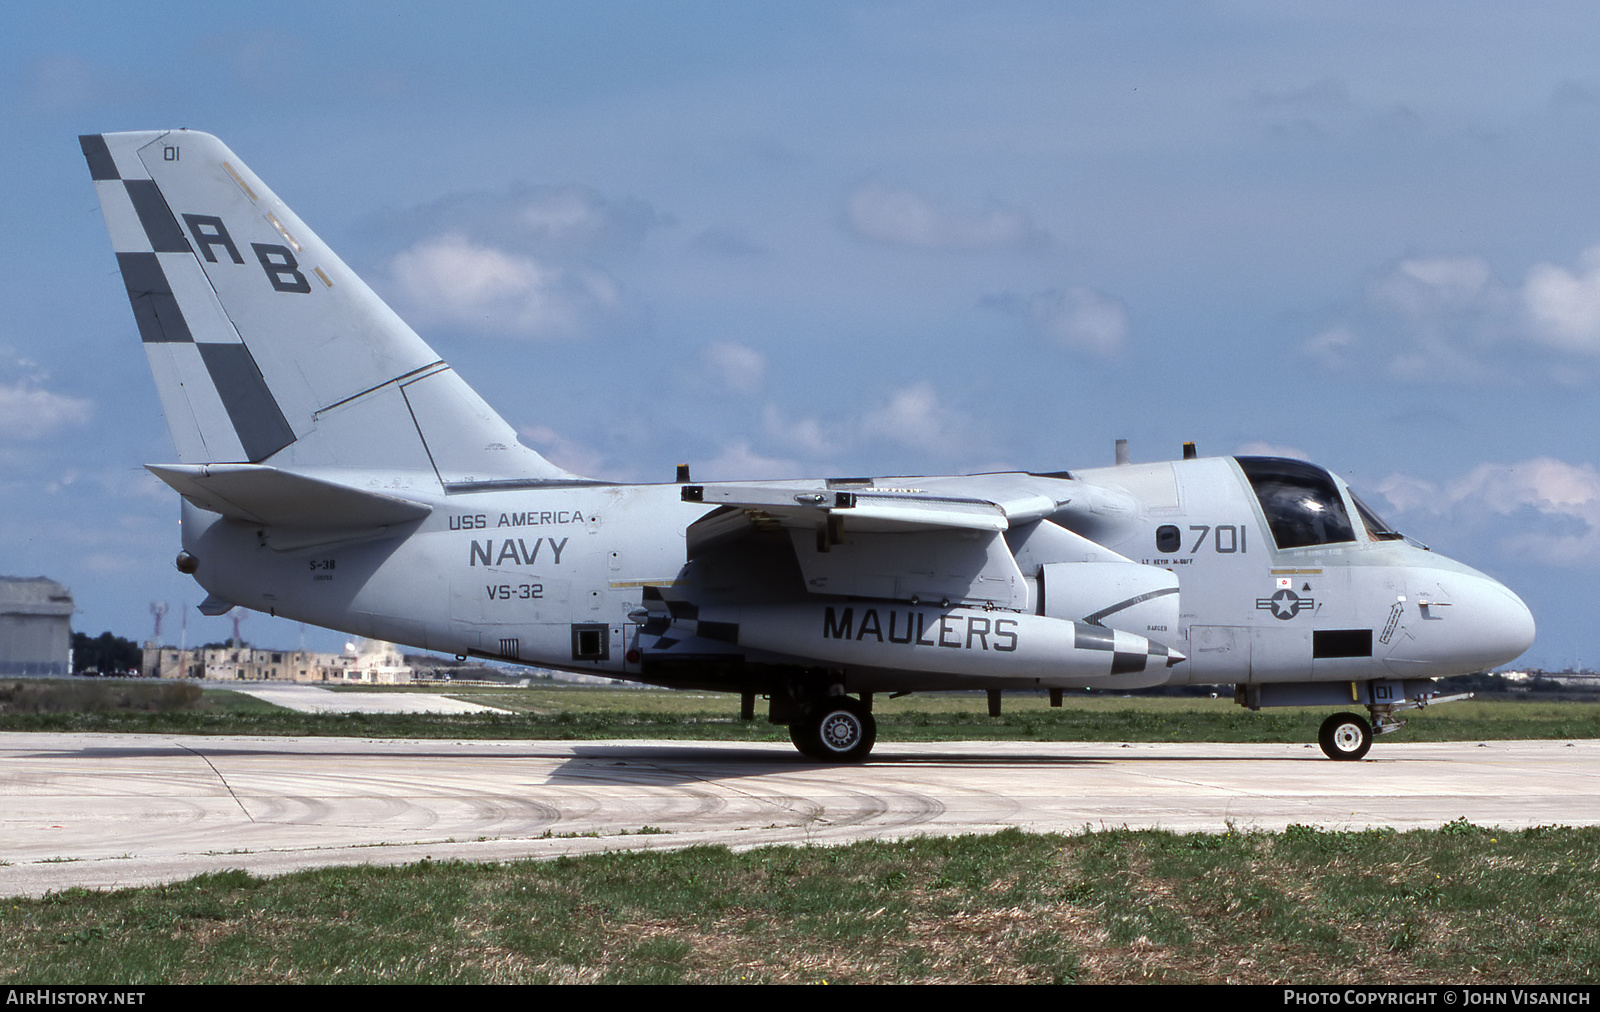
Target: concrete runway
column 315, row 699
column 102, row 810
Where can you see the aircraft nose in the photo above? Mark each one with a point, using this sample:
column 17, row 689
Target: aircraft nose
column 1503, row 625
column 1461, row 623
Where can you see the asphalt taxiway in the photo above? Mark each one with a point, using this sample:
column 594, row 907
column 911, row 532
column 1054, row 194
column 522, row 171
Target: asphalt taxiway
column 105, row 810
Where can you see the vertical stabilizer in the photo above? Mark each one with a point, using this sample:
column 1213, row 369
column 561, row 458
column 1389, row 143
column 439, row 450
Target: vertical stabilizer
column 265, row 347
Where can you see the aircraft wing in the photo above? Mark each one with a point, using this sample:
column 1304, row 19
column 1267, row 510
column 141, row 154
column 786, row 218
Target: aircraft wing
column 887, row 509
column 886, row 540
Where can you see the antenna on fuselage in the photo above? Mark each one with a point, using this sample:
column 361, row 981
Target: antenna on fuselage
column 1189, row 452
column 1122, row 452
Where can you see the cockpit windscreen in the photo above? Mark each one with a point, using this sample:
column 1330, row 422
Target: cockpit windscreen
column 1301, row 501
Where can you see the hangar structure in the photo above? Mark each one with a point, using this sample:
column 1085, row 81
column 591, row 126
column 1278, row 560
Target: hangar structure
column 35, row 626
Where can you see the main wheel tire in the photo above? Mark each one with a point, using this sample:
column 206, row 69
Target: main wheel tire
column 839, row 730
column 804, row 738
column 1345, row 736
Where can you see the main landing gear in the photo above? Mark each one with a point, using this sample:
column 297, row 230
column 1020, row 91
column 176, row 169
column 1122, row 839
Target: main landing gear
column 835, row 729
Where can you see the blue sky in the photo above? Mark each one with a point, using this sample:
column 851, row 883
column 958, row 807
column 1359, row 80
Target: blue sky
column 784, row 239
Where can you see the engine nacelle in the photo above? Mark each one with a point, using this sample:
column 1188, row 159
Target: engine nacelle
column 1118, row 595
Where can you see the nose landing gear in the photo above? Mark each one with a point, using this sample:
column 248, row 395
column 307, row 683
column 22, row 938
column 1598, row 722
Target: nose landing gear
column 1348, row 736
column 1345, row 736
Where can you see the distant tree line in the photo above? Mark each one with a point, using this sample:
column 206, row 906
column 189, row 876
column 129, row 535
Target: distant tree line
column 1488, row 682
column 105, row 654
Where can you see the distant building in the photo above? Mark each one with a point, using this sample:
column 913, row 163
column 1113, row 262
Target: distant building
column 374, row 663
column 35, row 627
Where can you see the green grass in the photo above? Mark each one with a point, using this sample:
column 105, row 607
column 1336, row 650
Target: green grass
column 96, row 695
column 1460, row 904
column 606, row 713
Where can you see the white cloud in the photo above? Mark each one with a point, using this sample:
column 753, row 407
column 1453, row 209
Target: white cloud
column 551, row 221
column 27, row 412
column 565, row 453
column 1421, row 286
column 562, row 212
column 788, row 447
column 903, row 218
column 914, row 417
column 457, row 281
column 1542, row 509
column 738, row 461
column 1563, row 307
column 121, row 483
column 1411, row 495
column 804, row 435
column 1331, row 346
column 1082, row 318
column 734, row 366
column 528, row 262
column 1448, row 317
column 1078, row 317
column 1450, row 312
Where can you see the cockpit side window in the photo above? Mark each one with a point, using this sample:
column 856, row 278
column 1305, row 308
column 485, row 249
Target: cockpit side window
column 1301, row 502
column 1377, row 529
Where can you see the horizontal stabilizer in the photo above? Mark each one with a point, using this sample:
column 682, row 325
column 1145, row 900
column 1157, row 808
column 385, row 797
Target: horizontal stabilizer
column 259, row 494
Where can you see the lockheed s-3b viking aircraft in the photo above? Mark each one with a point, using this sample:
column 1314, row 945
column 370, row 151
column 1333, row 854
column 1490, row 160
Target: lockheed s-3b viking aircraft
column 334, row 470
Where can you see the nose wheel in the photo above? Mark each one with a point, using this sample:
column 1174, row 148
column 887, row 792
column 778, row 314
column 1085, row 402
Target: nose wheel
column 1345, row 736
